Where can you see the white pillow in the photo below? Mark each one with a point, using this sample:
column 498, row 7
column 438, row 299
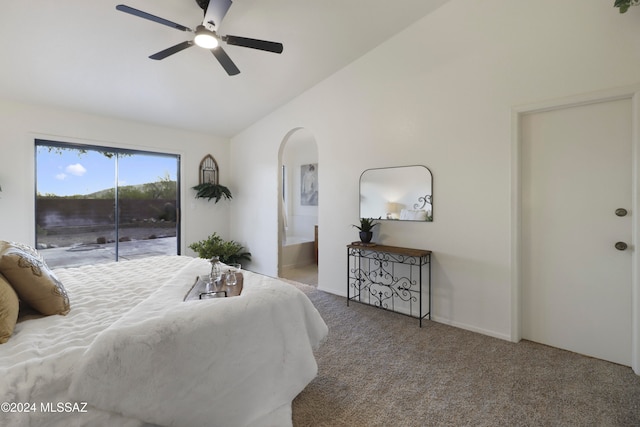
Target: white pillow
column 413, row 214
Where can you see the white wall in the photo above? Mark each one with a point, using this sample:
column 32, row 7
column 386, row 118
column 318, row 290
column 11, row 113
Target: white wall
column 440, row 94
column 20, row 124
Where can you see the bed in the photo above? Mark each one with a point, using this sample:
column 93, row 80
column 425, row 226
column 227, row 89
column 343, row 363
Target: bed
column 131, row 352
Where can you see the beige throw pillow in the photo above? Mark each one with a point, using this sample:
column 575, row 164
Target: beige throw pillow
column 31, row 278
column 9, row 307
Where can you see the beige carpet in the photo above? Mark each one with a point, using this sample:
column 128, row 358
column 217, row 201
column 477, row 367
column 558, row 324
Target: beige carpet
column 379, row 368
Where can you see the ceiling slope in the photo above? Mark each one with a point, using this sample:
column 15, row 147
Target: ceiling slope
column 87, row 56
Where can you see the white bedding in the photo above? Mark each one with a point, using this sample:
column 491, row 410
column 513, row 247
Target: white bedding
column 233, row 361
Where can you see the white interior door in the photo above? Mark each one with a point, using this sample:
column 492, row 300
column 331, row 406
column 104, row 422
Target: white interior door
column 576, row 286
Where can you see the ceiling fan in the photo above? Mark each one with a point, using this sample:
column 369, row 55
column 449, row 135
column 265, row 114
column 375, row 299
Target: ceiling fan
column 206, row 34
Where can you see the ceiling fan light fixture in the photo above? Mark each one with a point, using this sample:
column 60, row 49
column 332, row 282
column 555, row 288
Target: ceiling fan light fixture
column 205, row 38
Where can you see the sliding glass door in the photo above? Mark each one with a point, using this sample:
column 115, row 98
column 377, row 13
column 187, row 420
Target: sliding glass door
column 99, row 204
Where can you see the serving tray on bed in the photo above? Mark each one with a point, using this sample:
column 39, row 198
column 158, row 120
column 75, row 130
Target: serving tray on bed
column 199, row 289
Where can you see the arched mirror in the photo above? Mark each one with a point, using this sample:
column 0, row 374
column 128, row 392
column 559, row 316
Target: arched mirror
column 402, row 193
column 208, row 170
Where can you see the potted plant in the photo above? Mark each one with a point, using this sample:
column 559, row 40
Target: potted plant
column 209, row 190
column 228, row 252
column 366, row 229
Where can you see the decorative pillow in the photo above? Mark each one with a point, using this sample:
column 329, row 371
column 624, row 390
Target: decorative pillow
column 32, row 279
column 26, row 248
column 9, row 306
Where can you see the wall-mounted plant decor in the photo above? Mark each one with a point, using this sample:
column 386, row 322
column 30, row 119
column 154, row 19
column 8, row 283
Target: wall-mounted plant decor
column 212, row 191
column 208, row 170
column 625, row 4
column 209, row 187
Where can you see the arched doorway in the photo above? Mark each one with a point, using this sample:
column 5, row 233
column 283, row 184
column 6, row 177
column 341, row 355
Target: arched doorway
column 298, row 207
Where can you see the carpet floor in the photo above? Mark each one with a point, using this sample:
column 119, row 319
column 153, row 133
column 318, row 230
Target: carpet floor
column 378, row 368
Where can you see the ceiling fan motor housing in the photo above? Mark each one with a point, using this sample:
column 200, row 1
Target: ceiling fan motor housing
column 205, row 34
column 203, row 4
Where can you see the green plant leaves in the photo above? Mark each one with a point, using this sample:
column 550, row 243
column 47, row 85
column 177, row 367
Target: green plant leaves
column 624, row 4
column 366, row 224
column 212, row 191
column 229, row 252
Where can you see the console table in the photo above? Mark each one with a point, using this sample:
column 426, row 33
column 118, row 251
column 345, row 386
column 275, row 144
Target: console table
column 390, row 278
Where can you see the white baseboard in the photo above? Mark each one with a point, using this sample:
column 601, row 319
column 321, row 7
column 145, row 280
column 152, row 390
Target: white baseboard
column 471, row 328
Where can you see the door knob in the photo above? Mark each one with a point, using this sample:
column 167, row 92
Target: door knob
column 621, row 246
column 621, row 212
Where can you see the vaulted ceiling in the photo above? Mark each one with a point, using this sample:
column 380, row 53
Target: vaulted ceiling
column 87, row 56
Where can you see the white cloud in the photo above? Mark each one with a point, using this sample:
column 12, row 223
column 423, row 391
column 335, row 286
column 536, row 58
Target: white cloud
column 77, row 169
column 61, row 176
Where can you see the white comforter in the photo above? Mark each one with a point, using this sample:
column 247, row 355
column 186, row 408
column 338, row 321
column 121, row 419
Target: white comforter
column 228, row 362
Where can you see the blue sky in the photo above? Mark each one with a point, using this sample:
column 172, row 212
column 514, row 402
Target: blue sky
column 69, row 173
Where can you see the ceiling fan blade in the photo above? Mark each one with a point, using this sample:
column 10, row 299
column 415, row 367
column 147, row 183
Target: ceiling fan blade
column 150, row 17
column 254, row 43
column 215, row 12
column 225, row 61
column 173, row 49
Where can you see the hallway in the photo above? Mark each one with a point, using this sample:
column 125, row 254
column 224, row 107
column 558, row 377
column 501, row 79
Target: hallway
column 307, row 274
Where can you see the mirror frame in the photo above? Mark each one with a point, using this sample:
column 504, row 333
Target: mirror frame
column 422, row 201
